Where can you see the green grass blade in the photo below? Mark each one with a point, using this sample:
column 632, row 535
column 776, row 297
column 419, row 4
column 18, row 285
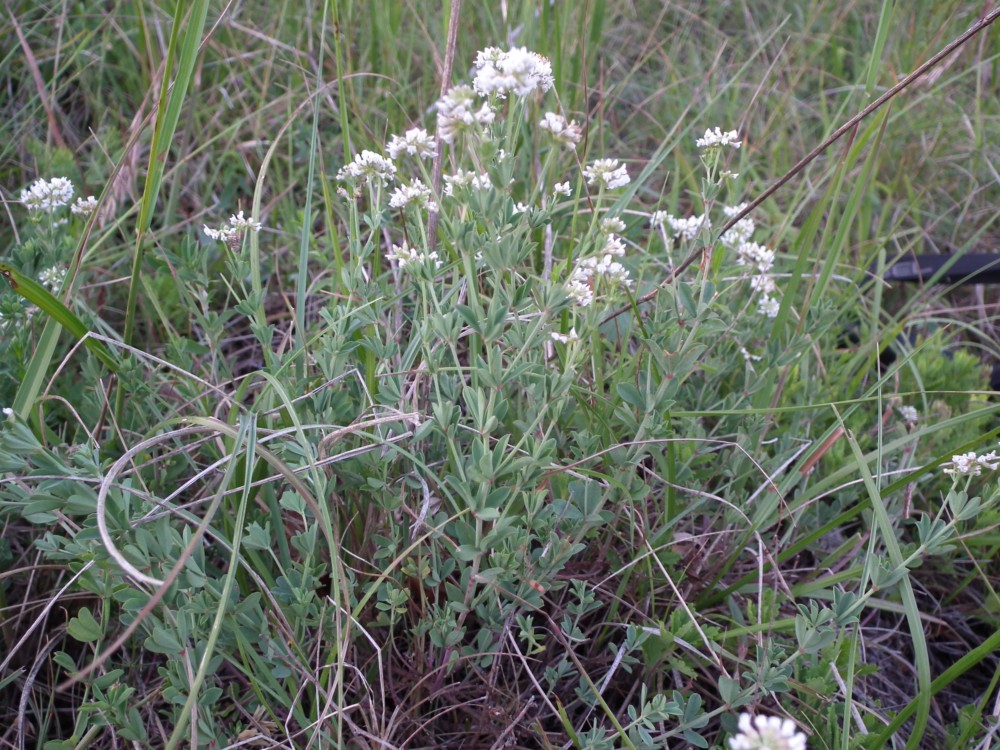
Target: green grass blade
column 39, row 296
column 888, row 534
column 983, row 651
column 167, row 117
column 302, row 276
column 246, row 441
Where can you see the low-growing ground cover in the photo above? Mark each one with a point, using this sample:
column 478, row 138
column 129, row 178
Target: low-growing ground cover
column 555, row 406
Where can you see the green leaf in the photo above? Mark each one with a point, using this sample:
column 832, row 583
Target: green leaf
column 259, row 537
column 729, row 690
column 64, row 660
column 694, row 738
column 105, row 681
column 162, row 641
column 39, row 296
column 631, row 395
column 84, row 627
column 15, row 674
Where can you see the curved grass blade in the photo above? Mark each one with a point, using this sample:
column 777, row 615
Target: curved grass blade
column 39, row 296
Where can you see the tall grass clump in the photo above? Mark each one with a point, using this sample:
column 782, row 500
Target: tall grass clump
column 491, row 392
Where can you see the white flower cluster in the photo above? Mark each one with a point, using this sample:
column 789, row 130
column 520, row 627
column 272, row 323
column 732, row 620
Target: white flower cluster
column 717, row 139
column 405, row 255
column 588, row 272
column 463, row 179
column 969, row 464
column 568, row 134
column 684, row 229
column 516, row 71
column 8, row 413
column 84, row 206
column 767, row 733
column 52, row 278
column 741, row 231
column 614, row 245
column 50, row 195
column 416, row 194
column 47, row 195
column 231, row 232
column 369, row 166
column 908, row 414
column 458, row 111
column 562, row 188
column 415, row 142
column 754, row 255
column 565, row 338
column 612, row 225
column 607, row 173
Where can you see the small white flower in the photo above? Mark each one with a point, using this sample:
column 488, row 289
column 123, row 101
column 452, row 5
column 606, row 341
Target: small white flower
column 405, row 255
column 242, row 224
column 47, row 195
column 516, row 71
column 588, row 273
column 739, row 233
column 521, row 208
column 748, row 356
column 608, row 173
column 658, row 218
column 8, row 414
column 562, row 188
column 689, row 228
column 579, row 290
column 767, row 733
column 453, row 182
column 565, row 338
column 84, row 206
column 753, row 254
column 731, row 211
column 768, row 306
column 224, row 233
column 463, row 179
column 614, row 246
column 908, row 414
column 969, row 464
column 612, row 225
column 717, row 139
column 231, row 233
column 368, row 165
column 416, row 194
column 482, row 182
column 53, row 277
column 458, row 111
column 763, row 284
column 415, row 142
column 568, row 134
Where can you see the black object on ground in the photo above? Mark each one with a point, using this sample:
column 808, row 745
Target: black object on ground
column 972, row 268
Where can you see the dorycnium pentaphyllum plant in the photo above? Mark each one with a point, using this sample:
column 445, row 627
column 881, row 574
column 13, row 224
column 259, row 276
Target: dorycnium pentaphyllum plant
column 512, row 477
column 55, row 215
